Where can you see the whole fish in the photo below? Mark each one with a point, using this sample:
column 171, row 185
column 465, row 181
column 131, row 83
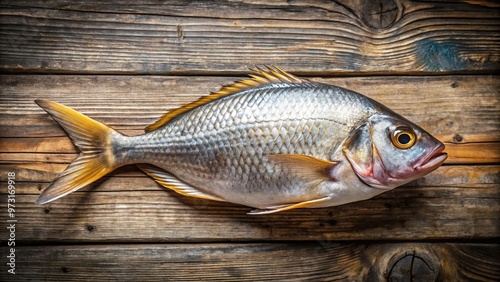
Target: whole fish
column 274, row 142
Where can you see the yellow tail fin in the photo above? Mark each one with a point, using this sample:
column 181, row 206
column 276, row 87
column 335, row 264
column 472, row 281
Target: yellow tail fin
column 94, row 140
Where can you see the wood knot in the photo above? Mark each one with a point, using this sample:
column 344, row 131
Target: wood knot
column 413, row 266
column 180, row 32
column 380, row 14
column 458, row 138
column 90, row 228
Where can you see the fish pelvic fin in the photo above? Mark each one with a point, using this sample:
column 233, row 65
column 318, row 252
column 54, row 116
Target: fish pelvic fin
column 94, row 140
column 258, row 78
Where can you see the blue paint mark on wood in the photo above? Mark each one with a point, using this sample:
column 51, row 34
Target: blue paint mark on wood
column 439, row 56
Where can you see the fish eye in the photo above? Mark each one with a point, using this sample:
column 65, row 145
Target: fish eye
column 403, row 138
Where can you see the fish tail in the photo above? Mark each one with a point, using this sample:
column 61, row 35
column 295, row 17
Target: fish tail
column 94, row 140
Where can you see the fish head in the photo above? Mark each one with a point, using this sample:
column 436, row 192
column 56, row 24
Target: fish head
column 388, row 151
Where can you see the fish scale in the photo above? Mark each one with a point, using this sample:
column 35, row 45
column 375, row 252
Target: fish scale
column 274, row 142
column 301, row 118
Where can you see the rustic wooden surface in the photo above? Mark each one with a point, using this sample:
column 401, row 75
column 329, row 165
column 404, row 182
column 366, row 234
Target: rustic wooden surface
column 126, row 64
column 310, row 261
column 435, row 207
column 343, row 36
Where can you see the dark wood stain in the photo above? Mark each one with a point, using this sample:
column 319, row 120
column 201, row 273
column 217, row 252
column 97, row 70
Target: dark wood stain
column 126, row 64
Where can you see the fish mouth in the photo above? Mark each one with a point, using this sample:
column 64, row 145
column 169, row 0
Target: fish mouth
column 433, row 160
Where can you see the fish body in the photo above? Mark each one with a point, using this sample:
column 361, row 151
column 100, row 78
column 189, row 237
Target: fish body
column 273, row 142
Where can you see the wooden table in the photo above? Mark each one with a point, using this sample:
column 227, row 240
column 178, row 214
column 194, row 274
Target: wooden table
column 125, row 64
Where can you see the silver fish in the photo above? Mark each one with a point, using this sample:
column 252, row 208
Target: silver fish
column 274, row 142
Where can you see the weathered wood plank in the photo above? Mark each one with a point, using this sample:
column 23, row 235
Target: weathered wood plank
column 459, row 201
column 61, row 150
column 308, row 261
column 463, row 111
column 36, row 148
column 130, row 207
column 445, row 176
column 146, row 37
column 474, row 153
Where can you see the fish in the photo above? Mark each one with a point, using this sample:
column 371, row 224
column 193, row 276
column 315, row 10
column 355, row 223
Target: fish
column 272, row 142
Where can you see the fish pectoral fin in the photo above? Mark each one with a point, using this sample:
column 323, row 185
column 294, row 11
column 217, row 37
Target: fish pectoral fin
column 307, row 167
column 169, row 181
column 280, row 208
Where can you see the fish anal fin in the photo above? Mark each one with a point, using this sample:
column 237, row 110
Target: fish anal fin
column 280, row 208
column 169, row 181
column 307, row 167
column 258, row 77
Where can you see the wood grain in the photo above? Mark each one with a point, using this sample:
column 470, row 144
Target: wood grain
column 314, row 37
column 130, row 207
column 127, row 206
column 462, row 111
column 311, row 261
column 61, row 150
column 127, row 63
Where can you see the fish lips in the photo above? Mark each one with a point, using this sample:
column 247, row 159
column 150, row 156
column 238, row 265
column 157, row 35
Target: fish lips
column 432, row 161
column 380, row 178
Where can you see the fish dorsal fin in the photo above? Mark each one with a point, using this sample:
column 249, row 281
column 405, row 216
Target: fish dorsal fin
column 259, row 77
